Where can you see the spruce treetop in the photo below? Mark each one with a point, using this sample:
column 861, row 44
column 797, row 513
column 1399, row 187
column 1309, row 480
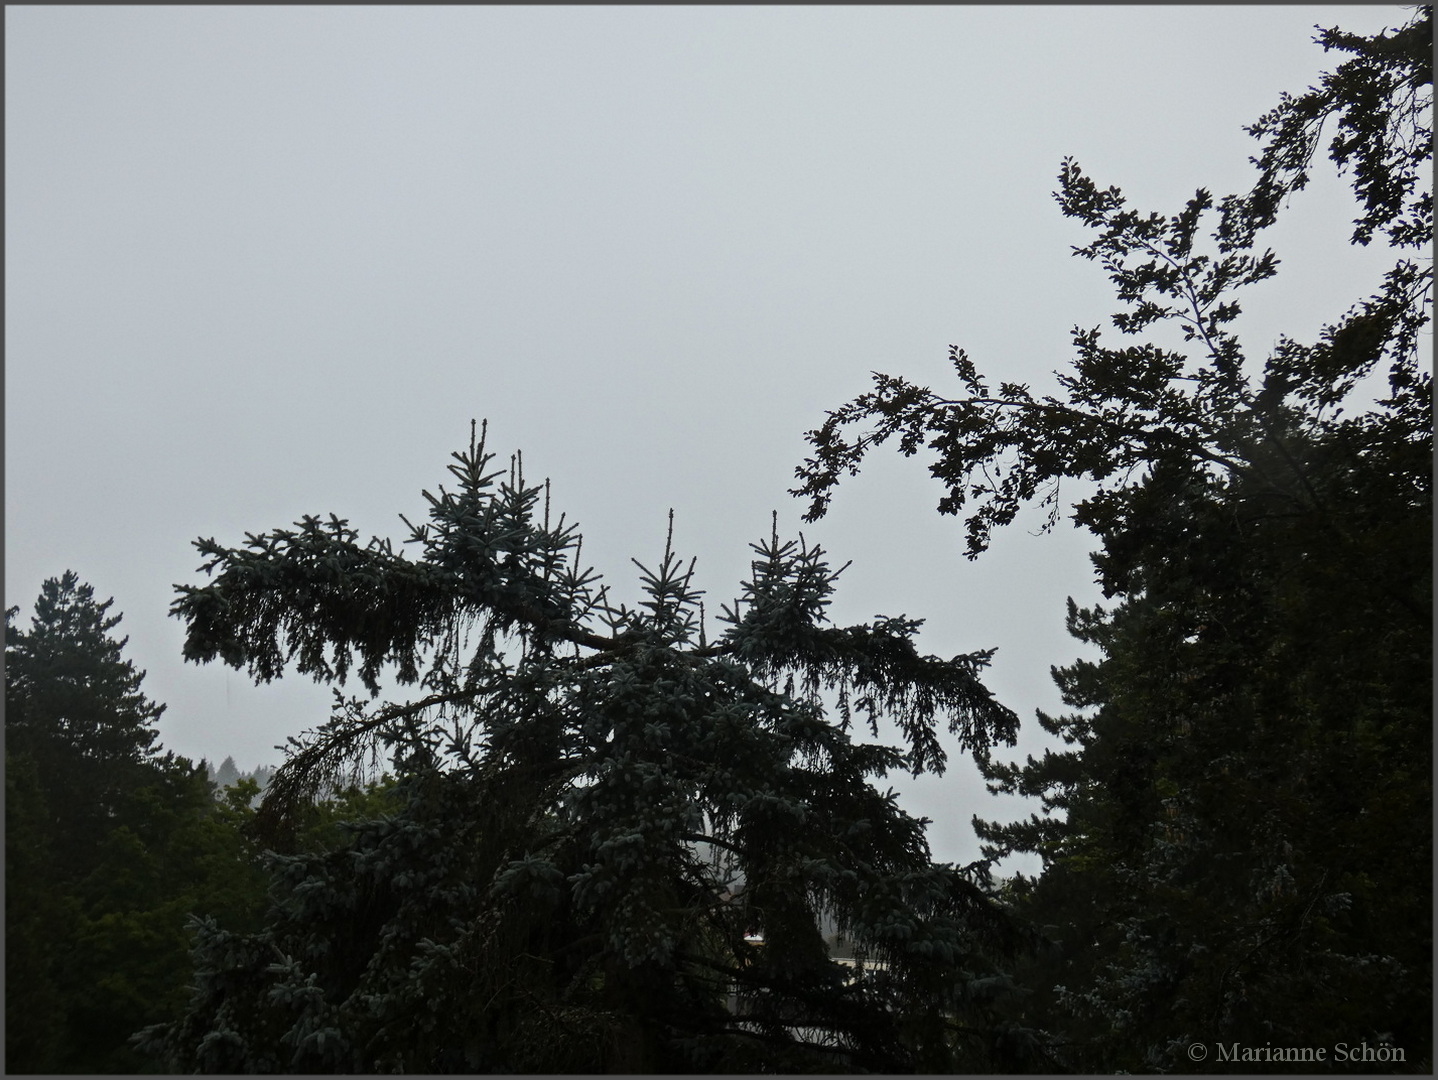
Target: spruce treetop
column 600, row 785
column 67, row 678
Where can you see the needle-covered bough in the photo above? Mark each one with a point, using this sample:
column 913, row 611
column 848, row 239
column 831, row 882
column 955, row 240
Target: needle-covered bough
column 601, row 811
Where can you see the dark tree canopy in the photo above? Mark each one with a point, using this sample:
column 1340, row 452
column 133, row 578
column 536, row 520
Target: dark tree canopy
column 109, row 846
column 68, row 681
column 1206, row 410
column 74, row 707
column 598, row 809
column 1237, row 842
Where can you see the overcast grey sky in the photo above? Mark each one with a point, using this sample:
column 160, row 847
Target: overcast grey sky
column 269, row 261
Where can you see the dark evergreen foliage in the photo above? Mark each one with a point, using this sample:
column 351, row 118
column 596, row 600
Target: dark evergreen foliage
column 110, row 845
column 595, row 805
column 34, row 1018
column 74, row 707
column 1238, row 845
column 613, row 844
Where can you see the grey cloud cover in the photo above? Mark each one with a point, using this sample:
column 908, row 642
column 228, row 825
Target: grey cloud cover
column 269, row 261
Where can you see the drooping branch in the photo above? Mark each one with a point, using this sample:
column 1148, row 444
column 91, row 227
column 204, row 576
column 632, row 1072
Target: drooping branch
column 317, row 766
